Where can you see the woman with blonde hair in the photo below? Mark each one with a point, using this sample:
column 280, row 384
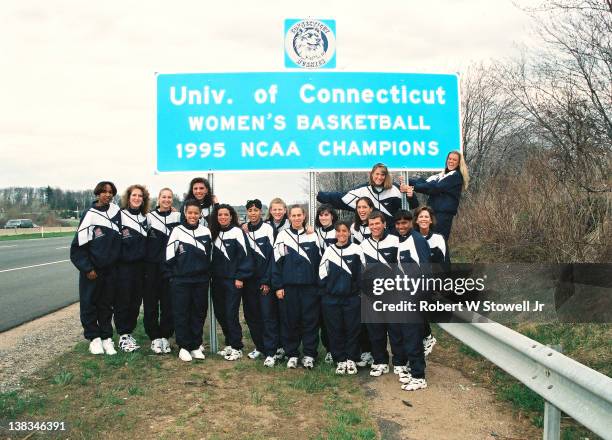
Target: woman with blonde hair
column 158, row 321
column 277, row 215
column 134, row 230
column 444, row 190
column 380, row 188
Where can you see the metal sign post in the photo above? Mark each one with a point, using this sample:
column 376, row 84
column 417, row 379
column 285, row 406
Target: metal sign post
column 312, row 197
column 404, row 179
column 211, row 308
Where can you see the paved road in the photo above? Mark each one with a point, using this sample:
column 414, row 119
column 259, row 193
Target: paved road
column 36, row 277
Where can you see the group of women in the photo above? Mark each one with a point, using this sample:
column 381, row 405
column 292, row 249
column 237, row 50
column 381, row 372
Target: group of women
column 297, row 283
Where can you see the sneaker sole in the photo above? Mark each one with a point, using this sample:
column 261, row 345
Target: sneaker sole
column 420, row 387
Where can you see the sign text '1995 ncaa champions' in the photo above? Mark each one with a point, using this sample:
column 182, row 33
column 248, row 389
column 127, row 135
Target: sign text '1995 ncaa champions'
column 305, row 120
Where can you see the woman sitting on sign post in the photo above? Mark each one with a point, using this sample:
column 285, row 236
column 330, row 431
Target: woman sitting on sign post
column 200, row 190
column 380, row 188
column 444, row 190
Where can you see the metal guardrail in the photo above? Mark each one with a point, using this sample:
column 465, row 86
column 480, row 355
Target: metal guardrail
column 582, row 393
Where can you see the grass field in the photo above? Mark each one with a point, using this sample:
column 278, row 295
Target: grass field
column 37, row 235
column 148, row 396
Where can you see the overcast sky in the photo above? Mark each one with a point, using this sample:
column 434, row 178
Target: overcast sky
column 77, row 81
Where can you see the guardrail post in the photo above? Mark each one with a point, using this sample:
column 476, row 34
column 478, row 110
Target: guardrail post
column 552, row 415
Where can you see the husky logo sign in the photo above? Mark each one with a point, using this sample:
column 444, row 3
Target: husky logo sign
column 310, row 44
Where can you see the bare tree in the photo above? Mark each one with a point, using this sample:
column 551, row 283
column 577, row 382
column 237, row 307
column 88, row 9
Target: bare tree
column 491, row 127
column 565, row 88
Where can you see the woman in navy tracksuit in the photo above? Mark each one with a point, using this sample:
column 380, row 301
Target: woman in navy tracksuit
column 340, row 276
column 425, row 222
column 188, row 267
column 295, row 281
column 413, row 257
column 380, row 251
column 134, row 230
column 231, row 265
column 325, row 219
column 359, row 233
column 94, row 252
column 380, row 188
column 200, row 190
column 259, row 302
column 444, row 190
column 158, row 322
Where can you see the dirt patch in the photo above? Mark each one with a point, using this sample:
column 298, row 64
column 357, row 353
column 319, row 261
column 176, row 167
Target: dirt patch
column 28, row 347
column 451, row 407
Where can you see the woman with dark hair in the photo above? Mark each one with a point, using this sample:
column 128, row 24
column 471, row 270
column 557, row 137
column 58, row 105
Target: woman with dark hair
column 200, row 190
column 381, row 190
column 340, row 278
column 188, row 264
column 444, row 190
column 231, row 265
column 134, row 230
column 94, row 252
column 259, row 304
column 425, row 223
column 359, row 230
column 325, row 221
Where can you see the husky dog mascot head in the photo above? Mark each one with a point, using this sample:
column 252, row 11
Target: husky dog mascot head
column 308, row 43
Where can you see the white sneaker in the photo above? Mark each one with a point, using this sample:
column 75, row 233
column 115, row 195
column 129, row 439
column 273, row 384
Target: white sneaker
column 292, row 362
column 414, row 384
column 351, row 368
column 308, row 362
column 225, row 351
column 133, row 341
column 165, row 345
column 280, row 354
column 233, row 355
column 127, row 343
column 400, row 370
column 156, row 346
column 366, row 359
column 341, row 368
column 255, row 354
column 329, row 358
column 379, row 369
column 184, row 355
column 197, row 354
column 270, row 361
column 109, row 346
column 405, row 377
column 428, row 345
column 95, row 346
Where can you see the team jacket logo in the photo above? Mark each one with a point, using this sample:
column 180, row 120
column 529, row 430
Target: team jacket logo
column 310, row 44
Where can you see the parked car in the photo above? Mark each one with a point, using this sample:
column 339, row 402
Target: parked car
column 19, row 223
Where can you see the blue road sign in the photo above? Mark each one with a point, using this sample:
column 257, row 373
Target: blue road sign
column 305, row 121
